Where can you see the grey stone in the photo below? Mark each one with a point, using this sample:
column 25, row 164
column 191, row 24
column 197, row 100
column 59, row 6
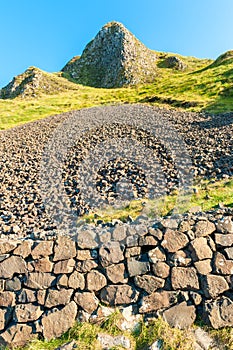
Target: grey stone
column 16, row 335
column 214, row 285
column 149, row 283
column 95, row 280
column 219, row 313
column 24, row 313
column 174, row 240
column 184, row 278
column 118, row 295
column 136, row 267
column 108, row 341
column 58, row 297
column 88, row 301
column 39, row 280
column 76, row 281
column 12, row 265
column 64, row 248
column 116, row 273
column 110, row 253
column 180, row 316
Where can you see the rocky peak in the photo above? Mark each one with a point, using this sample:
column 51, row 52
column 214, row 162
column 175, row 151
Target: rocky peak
column 114, row 58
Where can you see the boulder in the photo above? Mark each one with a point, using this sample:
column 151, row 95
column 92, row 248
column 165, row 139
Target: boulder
column 180, row 316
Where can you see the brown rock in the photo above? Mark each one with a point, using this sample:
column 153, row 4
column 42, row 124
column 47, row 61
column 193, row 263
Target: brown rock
column 148, row 240
column 156, row 254
column 137, row 267
column 116, row 273
column 95, row 280
column 12, row 265
column 224, row 240
column 87, row 240
column 41, row 294
column 13, row 284
column 76, row 281
column 149, row 283
column 86, row 266
column 184, row 226
column 58, row 297
column 84, row 254
column 64, row 248
column 225, row 225
column 39, row 280
column 110, row 253
column 180, row 316
column 60, row 321
column 229, row 252
column 132, row 251
column 119, row 233
column 24, row 249
column 24, row 313
column 87, row 301
column 155, row 302
column 200, row 249
column 219, row 313
column 43, row 265
column 214, row 285
column 118, row 295
column 27, row 296
column 181, row 258
column 161, row 269
column 6, row 247
column 16, row 335
column 42, row 249
column 184, row 278
column 64, row 266
column 204, row 228
column 222, row 265
column 174, row 240
column 203, row 267
column 156, row 232
column 62, row 281
column 7, row 299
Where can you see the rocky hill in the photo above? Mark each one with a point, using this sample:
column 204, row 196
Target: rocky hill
column 33, row 82
column 112, row 59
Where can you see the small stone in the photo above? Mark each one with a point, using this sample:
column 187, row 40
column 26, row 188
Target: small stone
column 108, row 341
column 224, row 240
column 169, row 223
column 133, row 251
column 88, row 301
column 174, row 240
column 119, row 233
column 214, row 285
column 13, row 285
column 204, row 228
column 16, row 336
column 156, row 254
column 156, row 232
column 62, row 281
column 203, row 267
column 58, row 297
column 83, row 255
column 12, row 265
column 155, row 302
column 86, row 266
column 132, row 241
column 149, row 283
column 87, row 240
column 200, row 249
column 76, row 281
column 219, row 313
column 116, row 273
column 60, row 321
column 5, row 316
column 27, row 296
column 148, row 241
column 24, row 249
column 196, row 298
column 157, row 345
column 64, row 248
column 184, row 278
column 41, row 294
column 39, row 280
column 161, row 269
column 6, row 247
column 68, row 346
column 24, row 313
column 136, row 267
column 118, row 295
column 184, row 226
column 64, row 266
column 42, row 249
column 95, row 280
column 225, row 225
column 203, row 339
column 229, row 252
column 181, row 316
column 222, row 265
column 181, row 258
column 43, row 265
column 7, row 299
column 110, row 253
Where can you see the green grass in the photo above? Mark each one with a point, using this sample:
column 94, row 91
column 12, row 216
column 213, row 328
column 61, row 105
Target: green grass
column 203, row 86
column 85, row 336
column 208, row 195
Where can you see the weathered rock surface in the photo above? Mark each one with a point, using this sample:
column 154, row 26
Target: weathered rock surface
column 112, row 59
column 180, row 316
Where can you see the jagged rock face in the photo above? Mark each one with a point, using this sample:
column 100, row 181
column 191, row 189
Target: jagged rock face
column 33, row 82
column 114, row 58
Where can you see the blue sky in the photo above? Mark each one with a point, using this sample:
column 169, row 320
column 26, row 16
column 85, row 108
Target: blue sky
column 47, row 33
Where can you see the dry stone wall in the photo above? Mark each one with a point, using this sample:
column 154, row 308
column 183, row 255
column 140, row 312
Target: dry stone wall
column 178, row 267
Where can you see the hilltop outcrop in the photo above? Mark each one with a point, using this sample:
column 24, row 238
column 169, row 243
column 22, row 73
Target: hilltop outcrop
column 114, row 58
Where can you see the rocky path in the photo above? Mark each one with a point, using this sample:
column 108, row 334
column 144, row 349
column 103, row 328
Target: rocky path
column 208, row 140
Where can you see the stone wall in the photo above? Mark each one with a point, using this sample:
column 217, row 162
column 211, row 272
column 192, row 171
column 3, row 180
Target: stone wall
column 178, row 267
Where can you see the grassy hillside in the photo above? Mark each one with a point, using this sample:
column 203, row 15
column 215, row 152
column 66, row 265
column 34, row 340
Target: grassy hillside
column 203, row 86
